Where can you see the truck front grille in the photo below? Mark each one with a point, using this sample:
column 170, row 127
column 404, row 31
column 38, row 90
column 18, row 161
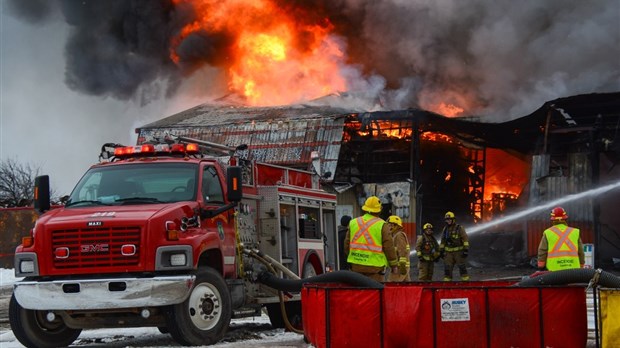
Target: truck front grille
column 95, row 247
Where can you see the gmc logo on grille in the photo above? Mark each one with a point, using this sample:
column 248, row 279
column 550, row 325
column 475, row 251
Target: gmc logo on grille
column 94, row 248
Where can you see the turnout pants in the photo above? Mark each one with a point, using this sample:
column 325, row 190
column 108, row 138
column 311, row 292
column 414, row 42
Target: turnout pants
column 455, row 258
column 425, row 269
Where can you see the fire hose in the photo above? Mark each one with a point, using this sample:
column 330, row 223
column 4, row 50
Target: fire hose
column 573, row 276
column 295, row 285
column 271, row 279
column 270, row 266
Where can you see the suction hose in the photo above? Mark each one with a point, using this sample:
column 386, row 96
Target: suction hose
column 295, row 285
column 572, row 276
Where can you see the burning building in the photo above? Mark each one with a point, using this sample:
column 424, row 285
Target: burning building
column 422, row 164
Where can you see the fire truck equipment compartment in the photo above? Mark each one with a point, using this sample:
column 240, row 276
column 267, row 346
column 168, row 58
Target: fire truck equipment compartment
column 445, row 314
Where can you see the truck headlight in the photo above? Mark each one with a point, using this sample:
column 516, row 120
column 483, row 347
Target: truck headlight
column 26, row 265
column 178, row 260
column 173, row 257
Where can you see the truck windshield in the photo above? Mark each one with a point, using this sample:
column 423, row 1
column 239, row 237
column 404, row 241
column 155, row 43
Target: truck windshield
column 137, row 183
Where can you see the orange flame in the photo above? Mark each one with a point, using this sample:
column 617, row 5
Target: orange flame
column 434, row 136
column 274, row 59
column 506, row 174
column 449, row 110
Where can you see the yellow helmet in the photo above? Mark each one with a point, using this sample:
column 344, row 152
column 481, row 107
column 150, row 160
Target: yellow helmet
column 449, row 215
column 372, row 205
column 427, row 226
column 395, row 220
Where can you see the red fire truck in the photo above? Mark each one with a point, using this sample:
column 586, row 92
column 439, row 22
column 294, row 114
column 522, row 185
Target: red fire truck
column 163, row 235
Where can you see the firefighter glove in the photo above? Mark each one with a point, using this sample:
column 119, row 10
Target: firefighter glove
column 442, row 254
column 465, row 253
column 402, row 267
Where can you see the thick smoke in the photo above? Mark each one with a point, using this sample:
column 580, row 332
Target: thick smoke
column 500, row 59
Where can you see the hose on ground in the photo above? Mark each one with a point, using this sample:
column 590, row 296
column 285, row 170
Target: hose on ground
column 295, row 285
column 271, row 269
column 572, row 276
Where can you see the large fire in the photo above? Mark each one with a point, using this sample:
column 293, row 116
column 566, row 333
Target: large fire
column 505, row 173
column 274, row 58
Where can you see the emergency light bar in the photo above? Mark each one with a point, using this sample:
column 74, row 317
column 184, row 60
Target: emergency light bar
column 150, row 149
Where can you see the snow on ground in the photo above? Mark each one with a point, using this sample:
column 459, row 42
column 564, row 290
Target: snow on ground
column 7, row 277
column 247, row 332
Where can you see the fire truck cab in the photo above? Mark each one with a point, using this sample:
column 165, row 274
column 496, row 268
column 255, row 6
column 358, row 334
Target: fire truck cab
column 163, row 235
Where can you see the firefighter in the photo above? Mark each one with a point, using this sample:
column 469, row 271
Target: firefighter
column 343, row 230
column 369, row 243
column 401, row 243
column 560, row 246
column 427, row 249
column 454, row 248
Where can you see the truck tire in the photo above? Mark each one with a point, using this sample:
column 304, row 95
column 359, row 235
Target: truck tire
column 204, row 317
column 33, row 330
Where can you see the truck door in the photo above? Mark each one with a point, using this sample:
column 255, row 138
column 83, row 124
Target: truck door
column 212, row 196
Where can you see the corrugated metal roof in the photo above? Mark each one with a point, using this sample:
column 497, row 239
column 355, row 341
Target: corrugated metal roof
column 206, row 115
column 284, row 135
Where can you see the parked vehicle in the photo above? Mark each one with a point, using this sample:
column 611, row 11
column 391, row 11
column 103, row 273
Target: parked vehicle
column 164, row 235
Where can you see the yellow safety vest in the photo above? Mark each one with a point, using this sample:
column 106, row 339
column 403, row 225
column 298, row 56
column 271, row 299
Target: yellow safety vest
column 562, row 252
column 366, row 247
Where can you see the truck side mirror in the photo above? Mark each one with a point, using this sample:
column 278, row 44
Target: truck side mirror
column 234, row 192
column 42, row 193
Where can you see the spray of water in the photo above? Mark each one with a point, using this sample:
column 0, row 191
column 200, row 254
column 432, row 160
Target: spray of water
column 529, row 211
column 548, row 205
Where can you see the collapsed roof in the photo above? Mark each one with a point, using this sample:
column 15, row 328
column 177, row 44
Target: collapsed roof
column 287, row 135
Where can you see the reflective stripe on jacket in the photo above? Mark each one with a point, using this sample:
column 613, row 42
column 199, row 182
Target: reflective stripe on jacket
column 401, row 243
column 563, row 244
column 366, row 246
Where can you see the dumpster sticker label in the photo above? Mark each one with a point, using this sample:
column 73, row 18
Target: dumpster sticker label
column 454, row 309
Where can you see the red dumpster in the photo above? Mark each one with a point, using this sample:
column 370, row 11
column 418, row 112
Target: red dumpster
column 445, row 314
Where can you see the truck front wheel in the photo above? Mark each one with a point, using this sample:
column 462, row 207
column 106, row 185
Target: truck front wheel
column 34, row 329
column 204, row 317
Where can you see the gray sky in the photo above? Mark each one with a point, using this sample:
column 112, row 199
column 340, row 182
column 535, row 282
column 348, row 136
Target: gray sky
column 44, row 123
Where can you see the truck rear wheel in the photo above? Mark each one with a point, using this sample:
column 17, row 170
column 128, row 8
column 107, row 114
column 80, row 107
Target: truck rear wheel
column 34, row 330
column 204, row 317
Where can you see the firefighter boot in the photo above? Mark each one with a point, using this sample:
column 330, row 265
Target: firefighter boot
column 463, row 272
column 447, row 275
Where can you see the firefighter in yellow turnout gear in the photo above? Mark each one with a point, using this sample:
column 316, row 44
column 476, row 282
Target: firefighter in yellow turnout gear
column 427, row 249
column 560, row 246
column 454, row 248
column 369, row 244
column 401, row 243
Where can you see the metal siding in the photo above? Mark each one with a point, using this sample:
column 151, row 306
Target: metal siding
column 540, row 169
column 580, row 180
column 349, row 197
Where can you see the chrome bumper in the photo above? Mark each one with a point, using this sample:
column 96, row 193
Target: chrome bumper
column 94, row 294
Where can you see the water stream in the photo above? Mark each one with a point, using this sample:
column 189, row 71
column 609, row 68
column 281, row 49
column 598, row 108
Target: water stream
column 544, row 206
